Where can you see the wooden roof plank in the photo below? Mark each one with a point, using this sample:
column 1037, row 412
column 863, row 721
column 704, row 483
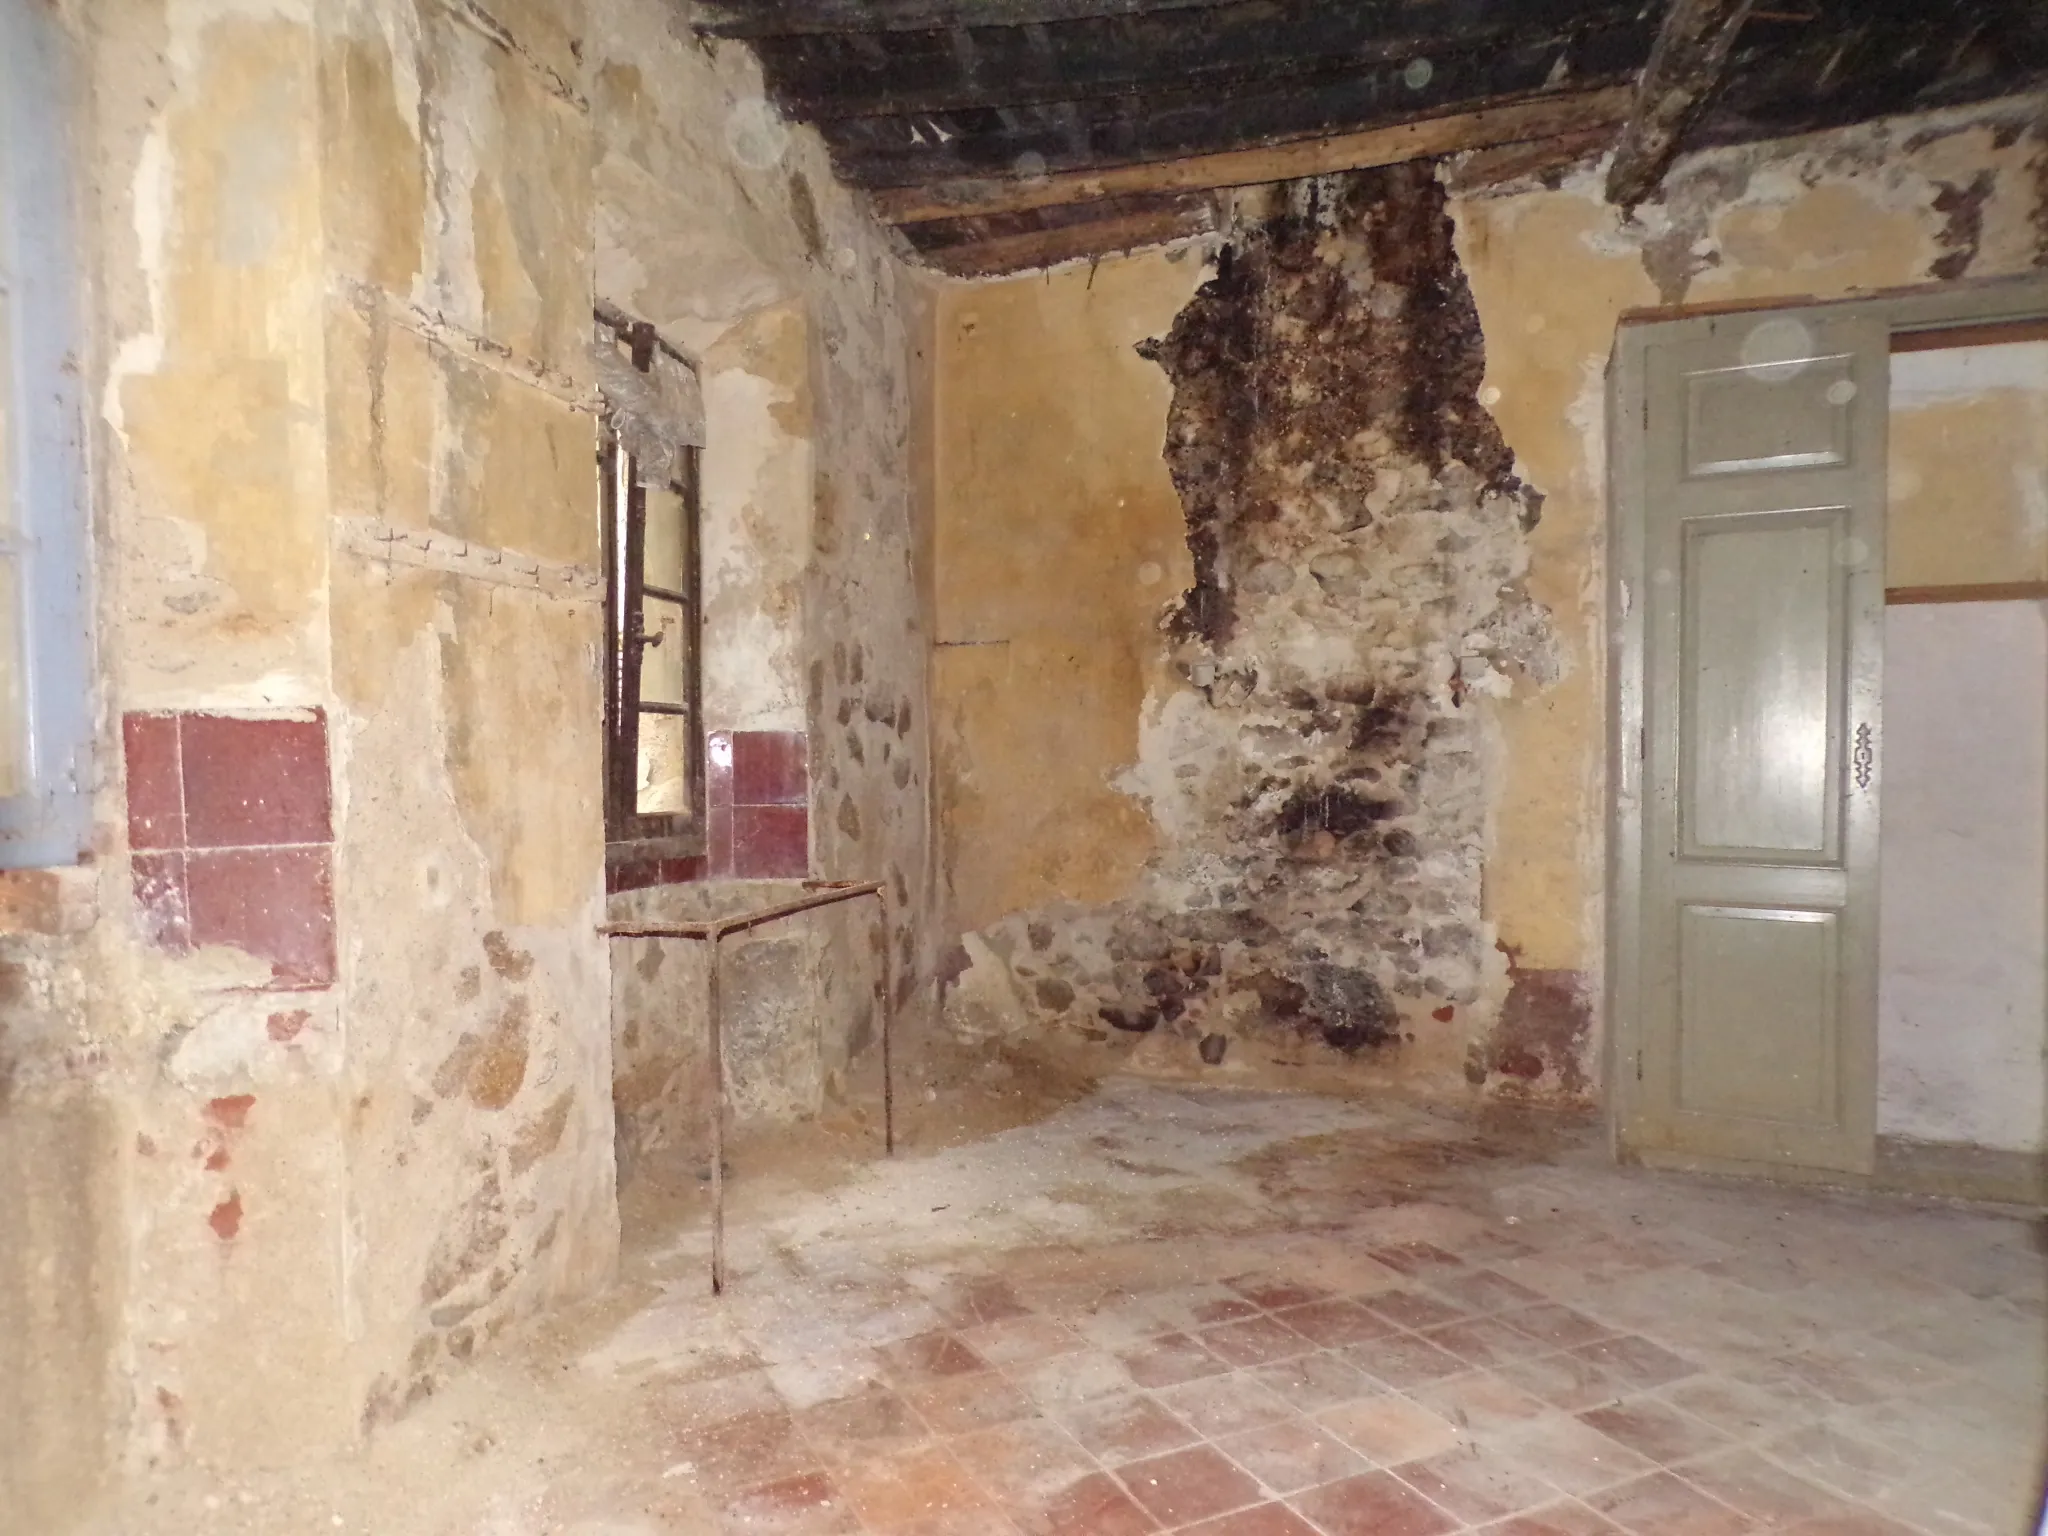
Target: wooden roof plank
column 1543, row 117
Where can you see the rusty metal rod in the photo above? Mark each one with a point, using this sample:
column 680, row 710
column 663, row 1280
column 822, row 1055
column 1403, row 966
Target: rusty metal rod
column 824, row 893
column 715, row 1014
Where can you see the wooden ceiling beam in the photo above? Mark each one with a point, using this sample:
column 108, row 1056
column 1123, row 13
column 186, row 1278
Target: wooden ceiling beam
column 1687, row 64
column 819, row 77
column 1084, row 135
column 1024, row 249
column 793, row 18
column 1543, row 117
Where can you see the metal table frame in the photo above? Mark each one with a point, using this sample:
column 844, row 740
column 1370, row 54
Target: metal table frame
column 822, row 893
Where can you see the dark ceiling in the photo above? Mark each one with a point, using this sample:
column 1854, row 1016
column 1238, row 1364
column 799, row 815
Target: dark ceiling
column 987, row 126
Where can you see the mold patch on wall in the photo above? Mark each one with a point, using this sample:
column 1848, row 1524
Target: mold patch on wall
column 1318, row 773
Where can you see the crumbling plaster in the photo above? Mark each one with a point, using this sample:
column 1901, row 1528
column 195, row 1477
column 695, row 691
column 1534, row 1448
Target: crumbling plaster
column 1343, row 611
column 343, row 254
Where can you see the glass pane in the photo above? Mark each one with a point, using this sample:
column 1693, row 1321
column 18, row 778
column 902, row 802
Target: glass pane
column 666, row 560
column 664, row 668
column 662, row 780
column 14, row 765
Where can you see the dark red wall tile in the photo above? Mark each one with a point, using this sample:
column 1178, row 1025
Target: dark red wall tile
column 275, row 903
column 770, row 842
column 769, row 768
column 718, row 842
column 718, row 769
column 161, row 907
column 254, row 782
column 156, row 799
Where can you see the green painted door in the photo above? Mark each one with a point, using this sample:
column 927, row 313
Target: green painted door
column 1762, row 587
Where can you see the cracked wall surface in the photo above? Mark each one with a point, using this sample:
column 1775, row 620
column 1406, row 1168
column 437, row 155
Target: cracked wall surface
column 343, row 255
column 1370, row 734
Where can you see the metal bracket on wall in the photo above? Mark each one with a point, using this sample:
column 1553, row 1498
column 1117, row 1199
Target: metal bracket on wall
column 823, row 893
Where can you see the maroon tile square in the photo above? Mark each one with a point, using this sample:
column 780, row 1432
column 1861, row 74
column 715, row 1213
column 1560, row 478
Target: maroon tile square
column 770, row 768
column 156, row 798
column 1186, row 1486
column 1093, row 1506
column 718, row 842
column 718, row 769
column 1372, row 1504
column 275, row 903
column 771, row 842
column 634, row 876
column 161, row 906
column 682, row 871
column 249, row 783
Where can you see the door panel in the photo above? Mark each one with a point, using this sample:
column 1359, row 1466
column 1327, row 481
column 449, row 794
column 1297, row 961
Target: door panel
column 1763, row 460
column 1757, row 984
column 1762, row 664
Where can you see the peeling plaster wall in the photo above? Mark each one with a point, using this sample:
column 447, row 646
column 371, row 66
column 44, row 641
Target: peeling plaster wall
column 727, row 231
column 1370, row 746
column 343, row 254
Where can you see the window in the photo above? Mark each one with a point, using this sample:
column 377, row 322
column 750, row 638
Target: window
column 45, row 703
column 654, row 741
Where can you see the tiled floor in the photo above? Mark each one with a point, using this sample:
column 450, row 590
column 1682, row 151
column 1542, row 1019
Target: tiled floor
column 1240, row 1315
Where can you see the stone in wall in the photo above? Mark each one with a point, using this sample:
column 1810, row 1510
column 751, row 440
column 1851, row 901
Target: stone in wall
column 1359, row 542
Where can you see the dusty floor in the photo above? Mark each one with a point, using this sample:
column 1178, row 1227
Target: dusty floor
column 1241, row 1315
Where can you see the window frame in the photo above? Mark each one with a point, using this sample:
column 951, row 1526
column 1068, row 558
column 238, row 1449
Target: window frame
column 46, row 533
column 630, row 835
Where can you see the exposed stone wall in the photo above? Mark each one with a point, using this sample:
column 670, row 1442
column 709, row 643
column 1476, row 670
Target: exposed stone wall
column 1370, row 755
column 343, row 254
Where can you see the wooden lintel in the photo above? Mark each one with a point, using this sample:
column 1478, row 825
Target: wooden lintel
column 1997, row 333
column 1977, row 592
column 1540, row 117
column 1686, row 65
column 1036, row 248
column 790, row 18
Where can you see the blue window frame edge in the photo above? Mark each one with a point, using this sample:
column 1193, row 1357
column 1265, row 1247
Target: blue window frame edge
column 51, row 823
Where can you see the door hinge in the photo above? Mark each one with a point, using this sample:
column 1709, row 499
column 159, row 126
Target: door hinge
column 1642, row 742
column 1639, row 1066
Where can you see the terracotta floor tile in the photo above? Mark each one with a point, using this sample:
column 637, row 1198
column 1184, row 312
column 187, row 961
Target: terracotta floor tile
column 1481, row 1401
column 1839, row 1460
column 1186, row 1486
column 1559, row 1327
column 958, row 1405
column 1635, row 1364
column 1403, row 1360
column 1417, row 1260
column 1016, row 1341
column 1331, row 1324
column 1255, row 1341
column 1224, row 1405
column 1186, row 1308
column 1389, row 1430
column 1574, row 1456
column 1073, row 1378
column 1568, row 1381
column 1744, row 1480
column 825, row 1376
column 1314, row 1382
column 1569, row 1518
column 918, row 1484
column 1276, row 1293
column 1023, row 1464
column 1849, row 1521
column 1127, row 1427
column 806, row 1505
column 1168, row 1360
column 1484, row 1290
column 1475, row 1482
column 1372, row 1504
column 1485, row 1341
column 865, row 1423
column 1414, row 1309
column 928, row 1355
column 1655, row 1430
column 1293, row 1454
column 1737, row 1409
column 1260, row 1520
column 1096, row 1505
column 743, row 1451
column 973, row 1300
column 966, row 1522
column 1663, row 1505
